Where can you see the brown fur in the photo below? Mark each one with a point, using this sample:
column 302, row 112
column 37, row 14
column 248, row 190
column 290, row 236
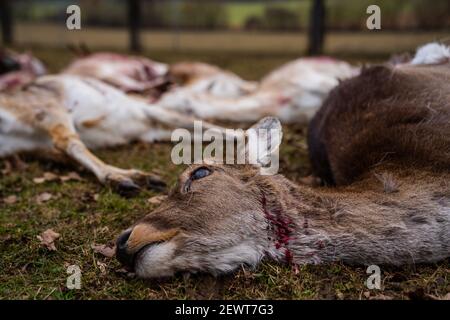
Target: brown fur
column 385, row 115
column 189, row 72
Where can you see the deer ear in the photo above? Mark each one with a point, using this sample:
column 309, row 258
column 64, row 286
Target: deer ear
column 263, row 141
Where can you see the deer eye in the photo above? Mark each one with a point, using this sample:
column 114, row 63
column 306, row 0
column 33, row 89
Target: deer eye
column 200, row 173
column 197, row 174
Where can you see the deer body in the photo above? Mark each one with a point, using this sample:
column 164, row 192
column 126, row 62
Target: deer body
column 293, row 92
column 70, row 114
column 382, row 140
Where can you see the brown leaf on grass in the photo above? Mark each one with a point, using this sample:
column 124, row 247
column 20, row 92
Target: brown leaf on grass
column 101, row 266
column 104, row 249
column 39, row 180
column 5, row 238
column 71, row 176
column 43, row 197
column 48, row 238
column 10, row 199
column 157, row 199
column 48, row 176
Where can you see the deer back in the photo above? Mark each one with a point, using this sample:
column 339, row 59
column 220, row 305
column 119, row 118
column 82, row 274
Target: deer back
column 386, row 114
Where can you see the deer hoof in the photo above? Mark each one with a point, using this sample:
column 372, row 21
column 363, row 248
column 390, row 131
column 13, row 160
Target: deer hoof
column 128, row 188
column 155, row 183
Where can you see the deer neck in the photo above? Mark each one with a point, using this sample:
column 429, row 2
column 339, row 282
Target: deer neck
column 289, row 211
column 319, row 225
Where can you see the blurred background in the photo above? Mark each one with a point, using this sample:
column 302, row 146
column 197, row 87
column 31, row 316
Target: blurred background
column 212, row 30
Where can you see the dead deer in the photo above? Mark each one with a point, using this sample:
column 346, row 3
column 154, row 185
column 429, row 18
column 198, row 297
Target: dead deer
column 292, row 92
column 71, row 114
column 382, row 139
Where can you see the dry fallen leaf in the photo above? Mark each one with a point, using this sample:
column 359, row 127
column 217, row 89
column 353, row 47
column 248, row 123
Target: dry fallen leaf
column 48, row 176
column 48, row 238
column 43, row 197
column 157, row 199
column 71, row 176
column 10, row 199
column 104, row 250
column 101, row 266
column 5, row 238
column 39, row 180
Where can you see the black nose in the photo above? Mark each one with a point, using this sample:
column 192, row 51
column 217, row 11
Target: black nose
column 122, row 254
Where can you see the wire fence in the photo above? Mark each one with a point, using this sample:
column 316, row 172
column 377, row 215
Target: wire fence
column 279, row 26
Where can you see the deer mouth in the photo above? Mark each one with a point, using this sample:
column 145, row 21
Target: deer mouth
column 128, row 260
column 126, row 256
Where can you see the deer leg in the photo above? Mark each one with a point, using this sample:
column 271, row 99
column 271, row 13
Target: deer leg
column 175, row 119
column 126, row 182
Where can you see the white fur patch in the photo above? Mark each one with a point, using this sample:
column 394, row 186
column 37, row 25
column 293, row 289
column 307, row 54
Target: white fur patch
column 155, row 260
column 432, row 53
column 16, row 136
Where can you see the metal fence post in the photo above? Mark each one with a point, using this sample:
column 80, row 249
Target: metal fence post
column 6, row 22
column 316, row 28
column 134, row 24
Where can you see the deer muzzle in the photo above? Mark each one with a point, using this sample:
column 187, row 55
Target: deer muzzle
column 132, row 241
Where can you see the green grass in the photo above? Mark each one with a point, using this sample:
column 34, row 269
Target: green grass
column 239, row 12
column 84, row 213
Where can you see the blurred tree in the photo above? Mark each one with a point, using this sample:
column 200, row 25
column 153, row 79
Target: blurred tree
column 432, row 16
column 6, row 22
column 276, row 18
column 254, row 23
column 203, row 15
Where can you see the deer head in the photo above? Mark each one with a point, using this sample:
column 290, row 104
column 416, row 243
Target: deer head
column 213, row 220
